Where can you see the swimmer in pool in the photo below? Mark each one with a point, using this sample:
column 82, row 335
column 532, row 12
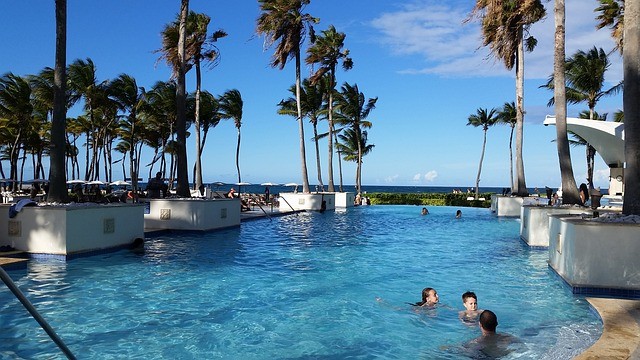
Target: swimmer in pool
column 429, row 297
column 471, row 312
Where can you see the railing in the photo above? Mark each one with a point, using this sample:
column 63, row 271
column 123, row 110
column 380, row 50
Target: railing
column 34, row 313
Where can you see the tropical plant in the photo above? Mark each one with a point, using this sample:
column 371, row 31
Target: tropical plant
column 284, row 22
column 354, row 147
column 311, row 100
column 353, row 109
column 504, row 26
column 631, row 64
column 57, row 178
column 327, row 52
column 569, row 188
column 611, row 14
column 485, row 119
column 230, row 104
column 508, row 116
column 585, row 78
column 198, row 49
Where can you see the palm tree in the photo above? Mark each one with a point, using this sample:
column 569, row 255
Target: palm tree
column 504, row 25
column 585, row 77
column 57, row 178
column 353, row 111
column 508, row 116
column 283, row 21
column 569, row 188
column 631, row 65
column 16, row 109
column 311, row 99
column 231, row 108
column 353, row 143
column 612, row 16
column 198, row 49
column 485, row 120
column 327, row 52
column 130, row 98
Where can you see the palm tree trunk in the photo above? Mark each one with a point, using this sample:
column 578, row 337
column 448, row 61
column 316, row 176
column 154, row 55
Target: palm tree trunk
column 339, row 163
column 484, row 144
column 511, row 158
column 238, row 156
column 57, row 178
column 521, row 186
column 569, row 188
column 319, row 169
column 631, row 65
column 303, row 156
column 331, row 187
column 198, row 174
column 182, row 173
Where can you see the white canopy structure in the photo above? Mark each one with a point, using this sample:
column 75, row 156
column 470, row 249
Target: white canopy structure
column 607, row 138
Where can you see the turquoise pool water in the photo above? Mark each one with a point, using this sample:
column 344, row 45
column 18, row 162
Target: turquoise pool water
column 307, row 286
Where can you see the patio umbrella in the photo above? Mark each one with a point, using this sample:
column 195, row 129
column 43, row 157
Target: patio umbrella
column 269, row 184
column 120, row 183
column 294, row 185
column 76, row 181
column 96, row 182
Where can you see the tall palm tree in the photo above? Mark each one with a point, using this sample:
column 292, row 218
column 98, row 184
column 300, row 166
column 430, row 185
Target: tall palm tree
column 504, row 25
column 199, row 48
column 611, row 14
column 508, row 116
column 131, row 99
column 569, row 188
column 284, row 22
column 311, row 100
column 231, row 108
column 327, row 52
column 631, row 65
column 354, row 142
column 353, row 110
column 16, row 109
column 182, row 174
column 585, row 77
column 57, row 178
column 483, row 119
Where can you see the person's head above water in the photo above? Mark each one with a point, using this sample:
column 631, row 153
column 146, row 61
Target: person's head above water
column 488, row 321
column 429, row 297
column 470, row 301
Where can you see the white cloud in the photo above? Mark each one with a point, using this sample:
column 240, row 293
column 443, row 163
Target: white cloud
column 450, row 47
column 391, row 179
column 417, row 177
column 430, row 176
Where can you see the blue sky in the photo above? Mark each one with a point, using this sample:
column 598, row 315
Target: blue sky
column 425, row 65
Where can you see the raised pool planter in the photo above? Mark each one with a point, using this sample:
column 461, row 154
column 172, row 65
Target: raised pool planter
column 345, row 199
column 63, row 230
column 191, row 214
column 508, row 206
column 307, row 202
column 534, row 222
column 595, row 258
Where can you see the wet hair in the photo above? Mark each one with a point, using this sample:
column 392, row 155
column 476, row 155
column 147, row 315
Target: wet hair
column 469, row 294
column 425, row 296
column 489, row 320
column 585, row 190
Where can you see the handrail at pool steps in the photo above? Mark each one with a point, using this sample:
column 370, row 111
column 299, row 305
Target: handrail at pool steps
column 34, row 313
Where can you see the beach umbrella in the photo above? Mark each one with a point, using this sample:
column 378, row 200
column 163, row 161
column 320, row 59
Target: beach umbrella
column 269, row 184
column 294, row 185
column 96, row 182
column 243, row 183
column 75, row 181
column 120, row 183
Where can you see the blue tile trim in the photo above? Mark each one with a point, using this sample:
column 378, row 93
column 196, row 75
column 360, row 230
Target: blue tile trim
column 601, row 292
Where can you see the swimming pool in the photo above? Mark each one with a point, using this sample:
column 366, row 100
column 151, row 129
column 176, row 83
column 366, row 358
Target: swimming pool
column 330, row 285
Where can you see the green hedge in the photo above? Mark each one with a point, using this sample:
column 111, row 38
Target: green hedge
column 431, row 199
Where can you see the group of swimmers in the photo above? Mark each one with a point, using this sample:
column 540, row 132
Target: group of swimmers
column 489, row 343
column 425, row 211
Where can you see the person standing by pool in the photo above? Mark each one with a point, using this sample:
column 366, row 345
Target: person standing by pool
column 429, row 297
